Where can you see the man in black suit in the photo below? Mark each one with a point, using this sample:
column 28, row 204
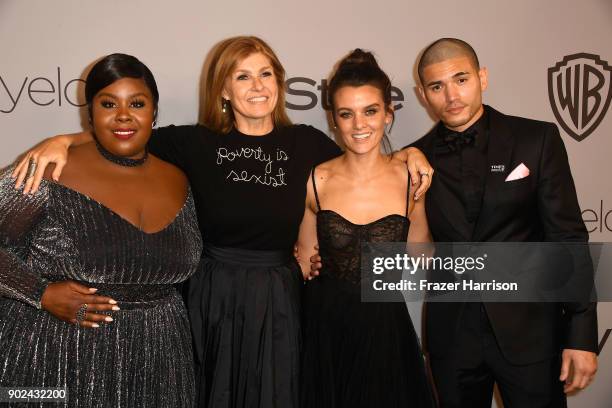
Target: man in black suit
column 533, row 351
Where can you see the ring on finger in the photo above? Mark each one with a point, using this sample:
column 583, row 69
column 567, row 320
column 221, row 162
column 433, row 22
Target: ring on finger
column 81, row 313
column 31, row 168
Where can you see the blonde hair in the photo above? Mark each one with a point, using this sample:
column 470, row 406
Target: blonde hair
column 226, row 56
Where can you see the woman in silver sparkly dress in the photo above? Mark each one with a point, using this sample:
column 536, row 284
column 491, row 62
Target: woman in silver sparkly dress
column 88, row 263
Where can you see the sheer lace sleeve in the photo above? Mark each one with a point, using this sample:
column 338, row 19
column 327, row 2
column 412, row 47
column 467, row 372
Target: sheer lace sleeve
column 19, row 216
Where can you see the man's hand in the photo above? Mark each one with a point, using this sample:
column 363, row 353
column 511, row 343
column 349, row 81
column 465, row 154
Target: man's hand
column 578, row 369
column 315, row 263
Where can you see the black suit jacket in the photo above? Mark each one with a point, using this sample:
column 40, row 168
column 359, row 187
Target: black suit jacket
column 541, row 207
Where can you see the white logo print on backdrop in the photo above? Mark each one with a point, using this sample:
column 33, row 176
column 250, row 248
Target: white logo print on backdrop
column 265, row 177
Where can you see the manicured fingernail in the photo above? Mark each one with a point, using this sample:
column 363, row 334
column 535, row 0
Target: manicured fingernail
column 95, row 325
column 115, row 308
column 93, row 289
column 112, row 302
column 108, row 319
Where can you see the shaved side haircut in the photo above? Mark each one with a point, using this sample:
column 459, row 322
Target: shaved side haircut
column 444, row 49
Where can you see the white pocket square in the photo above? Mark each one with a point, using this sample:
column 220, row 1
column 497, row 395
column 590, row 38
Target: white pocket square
column 521, row 171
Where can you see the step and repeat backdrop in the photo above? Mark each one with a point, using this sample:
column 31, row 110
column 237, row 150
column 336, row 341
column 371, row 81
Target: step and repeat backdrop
column 547, row 59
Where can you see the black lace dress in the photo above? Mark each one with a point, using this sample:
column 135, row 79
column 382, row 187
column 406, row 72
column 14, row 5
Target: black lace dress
column 357, row 354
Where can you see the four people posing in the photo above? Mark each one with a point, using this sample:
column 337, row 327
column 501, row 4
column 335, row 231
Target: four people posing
column 255, row 178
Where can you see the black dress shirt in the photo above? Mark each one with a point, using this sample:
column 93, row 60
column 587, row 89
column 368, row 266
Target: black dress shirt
column 461, row 168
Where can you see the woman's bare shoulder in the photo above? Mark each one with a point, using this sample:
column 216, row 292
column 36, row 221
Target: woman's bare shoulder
column 327, row 168
column 399, row 171
column 398, row 166
column 78, row 157
column 167, row 171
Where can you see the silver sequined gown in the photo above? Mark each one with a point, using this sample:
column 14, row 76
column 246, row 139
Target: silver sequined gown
column 144, row 357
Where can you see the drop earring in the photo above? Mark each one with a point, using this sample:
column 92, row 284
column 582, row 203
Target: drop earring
column 389, row 126
column 223, row 105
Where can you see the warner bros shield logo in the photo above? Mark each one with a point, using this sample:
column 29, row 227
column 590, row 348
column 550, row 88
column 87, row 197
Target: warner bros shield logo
column 580, row 89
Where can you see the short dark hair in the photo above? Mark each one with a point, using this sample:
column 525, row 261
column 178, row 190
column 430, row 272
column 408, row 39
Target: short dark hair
column 114, row 67
column 443, row 49
column 360, row 68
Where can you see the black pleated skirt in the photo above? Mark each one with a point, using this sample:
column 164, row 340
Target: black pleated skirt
column 245, row 319
column 359, row 354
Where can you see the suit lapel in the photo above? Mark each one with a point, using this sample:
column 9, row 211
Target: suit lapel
column 499, row 153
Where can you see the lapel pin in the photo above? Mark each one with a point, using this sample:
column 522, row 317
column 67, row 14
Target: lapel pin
column 498, row 168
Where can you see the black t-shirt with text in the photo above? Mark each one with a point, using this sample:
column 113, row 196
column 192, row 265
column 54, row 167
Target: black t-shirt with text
column 249, row 191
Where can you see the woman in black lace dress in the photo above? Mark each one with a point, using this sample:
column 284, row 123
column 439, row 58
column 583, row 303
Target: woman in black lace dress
column 359, row 354
column 88, row 264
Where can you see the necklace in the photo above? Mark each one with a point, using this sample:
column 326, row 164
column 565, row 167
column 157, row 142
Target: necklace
column 122, row 161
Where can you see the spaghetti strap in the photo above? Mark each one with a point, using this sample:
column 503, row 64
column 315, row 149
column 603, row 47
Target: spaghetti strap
column 314, row 187
column 407, row 194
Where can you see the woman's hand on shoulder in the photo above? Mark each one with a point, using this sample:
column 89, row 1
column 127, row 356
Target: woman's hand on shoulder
column 419, row 168
column 64, row 299
column 50, row 150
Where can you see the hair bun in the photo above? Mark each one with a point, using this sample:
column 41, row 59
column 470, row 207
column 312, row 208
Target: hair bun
column 359, row 57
